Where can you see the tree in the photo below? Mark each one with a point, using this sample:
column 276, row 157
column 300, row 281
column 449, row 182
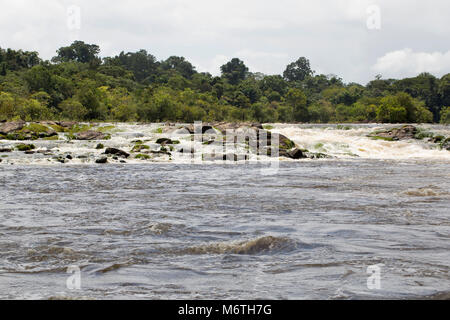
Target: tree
column 444, row 89
column 445, row 115
column 298, row 70
column 90, row 97
column 7, row 107
column 250, row 89
column 180, row 65
column 3, row 69
column 17, row 60
column 297, row 99
column 321, row 111
column 143, row 65
column 234, row 71
column 391, row 111
column 33, row 110
column 78, row 51
column 39, row 78
column 273, row 84
column 73, row 110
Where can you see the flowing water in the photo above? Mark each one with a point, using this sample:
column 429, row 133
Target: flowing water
column 171, row 229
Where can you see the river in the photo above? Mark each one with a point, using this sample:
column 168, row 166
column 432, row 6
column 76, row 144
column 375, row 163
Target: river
column 311, row 229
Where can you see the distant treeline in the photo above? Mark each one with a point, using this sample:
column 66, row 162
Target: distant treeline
column 79, row 85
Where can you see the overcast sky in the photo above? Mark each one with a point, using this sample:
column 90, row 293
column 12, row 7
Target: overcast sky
column 343, row 37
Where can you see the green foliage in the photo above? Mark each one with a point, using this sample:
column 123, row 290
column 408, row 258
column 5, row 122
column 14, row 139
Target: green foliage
column 298, row 70
column 33, row 110
column 78, row 51
column 7, row 106
column 234, row 71
column 445, row 115
column 72, row 109
column 135, row 86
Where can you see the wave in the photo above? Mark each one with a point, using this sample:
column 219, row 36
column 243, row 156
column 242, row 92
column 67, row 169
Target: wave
column 429, row 191
column 353, row 142
column 264, row 245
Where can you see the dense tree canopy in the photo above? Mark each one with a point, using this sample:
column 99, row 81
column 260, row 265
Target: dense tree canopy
column 78, row 85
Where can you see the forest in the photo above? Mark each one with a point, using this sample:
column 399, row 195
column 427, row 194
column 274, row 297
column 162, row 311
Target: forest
column 77, row 84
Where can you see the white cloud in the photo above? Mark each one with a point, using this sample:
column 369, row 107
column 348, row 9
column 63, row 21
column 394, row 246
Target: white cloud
column 406, row 62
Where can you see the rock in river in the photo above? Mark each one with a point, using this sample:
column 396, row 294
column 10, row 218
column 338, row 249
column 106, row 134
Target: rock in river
column 9, row 127
column 402, row 133
column 117, row 152
column 90, row 135
column 102, row 160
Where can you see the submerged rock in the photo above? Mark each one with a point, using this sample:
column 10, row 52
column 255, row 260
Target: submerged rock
column 5, row 150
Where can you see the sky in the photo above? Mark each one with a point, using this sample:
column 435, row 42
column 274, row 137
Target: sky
column 354, row 39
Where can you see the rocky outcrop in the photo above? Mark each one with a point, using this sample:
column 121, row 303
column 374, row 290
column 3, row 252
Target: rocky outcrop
column 395, row 134
column 90, row 135
column 411, row 132
column 21, row 131
column 224, row 126
column 36, row 131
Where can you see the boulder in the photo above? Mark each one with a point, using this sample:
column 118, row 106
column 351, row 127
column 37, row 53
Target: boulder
column 297, row 154
column 90, row 135
column 102, row 160
column 5, row 150
column 117, row 152
column 284, row 142
column 10, row 127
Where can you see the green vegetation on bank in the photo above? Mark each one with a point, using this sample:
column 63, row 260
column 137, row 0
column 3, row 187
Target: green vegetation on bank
column 78, row 85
